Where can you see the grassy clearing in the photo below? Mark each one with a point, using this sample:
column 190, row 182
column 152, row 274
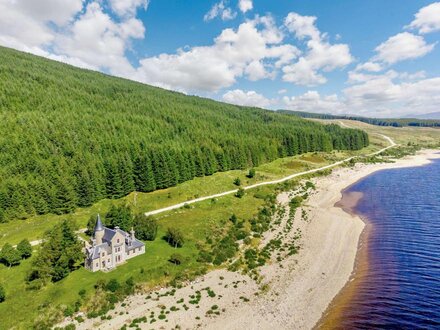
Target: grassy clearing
column 153, row 268
column 34, row 227
column 197, row 222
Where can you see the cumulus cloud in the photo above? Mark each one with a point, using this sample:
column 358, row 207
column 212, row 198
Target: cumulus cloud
column 395, row 94
column 58, row 12
column 250, row 98
column 73, row 31
column 220, row 10
column 396, row 98
column 128, row 7
column 250, row 50
column 321, row 55
column 96, row 39
column 312, row 101
column 427, row 19
column 391, row 94
column 402, row 46
column 245, row 5
column 24, row 23
column 369, row 66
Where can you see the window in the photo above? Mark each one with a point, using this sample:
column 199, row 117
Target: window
column 117, row 240
column 97, row 264
column 103, row 254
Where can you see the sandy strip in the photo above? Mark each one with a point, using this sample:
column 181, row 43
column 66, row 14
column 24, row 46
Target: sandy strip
column 300, row 288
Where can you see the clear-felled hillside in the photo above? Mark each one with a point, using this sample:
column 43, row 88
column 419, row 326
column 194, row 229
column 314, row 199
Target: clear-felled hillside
column 70, row 137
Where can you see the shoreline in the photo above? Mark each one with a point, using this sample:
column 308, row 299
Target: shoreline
column 333, row 313
column 299, row 290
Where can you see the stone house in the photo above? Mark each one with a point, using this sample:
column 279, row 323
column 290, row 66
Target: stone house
column 109, row 248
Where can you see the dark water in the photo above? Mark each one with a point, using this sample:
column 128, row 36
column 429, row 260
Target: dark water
column 401, row 287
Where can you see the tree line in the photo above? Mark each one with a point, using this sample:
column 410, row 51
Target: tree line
column 395, row 122
column 71, row 137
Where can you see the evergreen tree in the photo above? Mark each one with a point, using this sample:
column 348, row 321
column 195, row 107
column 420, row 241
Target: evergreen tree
column 119, row 216
column 9, row 255
column 145, row 227
column 174, row 237
column 110, row 136
column 59, row 254
column 25, row 249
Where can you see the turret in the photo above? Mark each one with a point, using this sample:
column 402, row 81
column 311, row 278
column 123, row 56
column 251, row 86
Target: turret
column 99, row 230
column 132, row 234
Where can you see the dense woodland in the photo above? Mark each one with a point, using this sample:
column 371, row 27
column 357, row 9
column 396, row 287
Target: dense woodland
column 70, row 137
column 395, row 122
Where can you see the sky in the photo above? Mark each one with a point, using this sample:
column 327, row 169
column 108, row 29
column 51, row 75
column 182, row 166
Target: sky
column 372, row 58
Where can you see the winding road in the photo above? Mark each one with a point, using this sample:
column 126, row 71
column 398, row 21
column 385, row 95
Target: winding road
column 289, row 177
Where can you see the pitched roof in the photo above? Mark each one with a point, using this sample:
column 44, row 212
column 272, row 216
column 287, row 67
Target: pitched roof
column 96, row 250
column 134, row 244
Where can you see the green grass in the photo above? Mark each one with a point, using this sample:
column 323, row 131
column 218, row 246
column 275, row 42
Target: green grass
column 22, row 306
column 197, row 222
column 34, row 227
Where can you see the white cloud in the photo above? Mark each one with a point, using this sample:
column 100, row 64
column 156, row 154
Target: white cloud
column 282, row 91
column 402, row 46
column 394, row 95
column 312, row 101
column 245, row 5
column 320, row 56
column 85, row 35
column 369, row 66
column 127, row 7
column 97, row 40
column 250, row 98
column 58, row 12
column 256, row 71
column 302, row 26
column 24, row 23
column 427, row 19
column 220, row 10
column 248, row 50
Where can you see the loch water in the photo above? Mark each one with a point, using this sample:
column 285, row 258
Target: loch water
column 398, row 287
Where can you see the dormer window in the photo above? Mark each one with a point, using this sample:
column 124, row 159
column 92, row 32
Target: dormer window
column 103, row 254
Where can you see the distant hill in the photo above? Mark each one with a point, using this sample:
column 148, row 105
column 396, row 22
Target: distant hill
column 70, row 137
column 431, row 115
column 396, row 122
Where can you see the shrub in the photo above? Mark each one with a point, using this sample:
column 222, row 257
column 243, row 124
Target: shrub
column 176, row 258
column 113, row 285
column 24, row 248
column 9, row 255
column 2, row 294
column 237, row 181
column 145, row 227
column 69, row 311
column 240, row 193
column 174, row 237
column 251, row 173
column 82, row 293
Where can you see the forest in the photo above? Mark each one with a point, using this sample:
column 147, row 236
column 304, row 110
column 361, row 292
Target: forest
column 70, row 137
column 395, row 122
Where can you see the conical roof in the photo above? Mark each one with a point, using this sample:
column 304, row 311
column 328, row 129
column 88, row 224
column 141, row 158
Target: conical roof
column 98, row 226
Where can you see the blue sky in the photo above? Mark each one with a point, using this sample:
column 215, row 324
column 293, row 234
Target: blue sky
column 376, row 58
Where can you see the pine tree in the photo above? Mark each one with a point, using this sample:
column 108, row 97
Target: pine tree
column 9, row 255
